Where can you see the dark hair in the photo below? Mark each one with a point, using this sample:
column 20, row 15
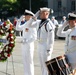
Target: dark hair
column 28, row 14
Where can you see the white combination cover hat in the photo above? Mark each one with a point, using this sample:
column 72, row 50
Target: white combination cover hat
column 27, row 12
column 71, row 16
column 44, row 9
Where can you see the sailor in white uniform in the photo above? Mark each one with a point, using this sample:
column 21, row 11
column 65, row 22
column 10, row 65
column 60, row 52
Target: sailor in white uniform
column 54, row 21
column 70, row 43
column 28, row 38
column 63, row 20
column 45, row 39
column 45, row 35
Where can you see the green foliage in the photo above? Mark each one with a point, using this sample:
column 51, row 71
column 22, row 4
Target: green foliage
column 12, row 1
column 8, row 7
column 17, row 7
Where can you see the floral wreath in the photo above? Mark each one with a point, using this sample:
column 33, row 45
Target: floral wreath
column 7, row 40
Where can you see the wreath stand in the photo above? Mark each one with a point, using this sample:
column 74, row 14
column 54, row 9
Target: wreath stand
column 7, row 34
column 6, row 73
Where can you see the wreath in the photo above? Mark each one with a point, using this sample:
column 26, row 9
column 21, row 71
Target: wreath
column 7, row 40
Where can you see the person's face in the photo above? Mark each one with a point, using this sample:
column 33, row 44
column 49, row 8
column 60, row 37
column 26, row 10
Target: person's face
column 27, row 17
column 53, row 19
column 44, row 14
column 64, row 18
column 72, row 23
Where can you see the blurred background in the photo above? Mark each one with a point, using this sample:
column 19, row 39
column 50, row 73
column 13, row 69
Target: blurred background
column 9, row 8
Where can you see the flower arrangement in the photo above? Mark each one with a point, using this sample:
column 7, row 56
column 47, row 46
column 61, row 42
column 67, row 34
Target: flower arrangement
column 7, row 40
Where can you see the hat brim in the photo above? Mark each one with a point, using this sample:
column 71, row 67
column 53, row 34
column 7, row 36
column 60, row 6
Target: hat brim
column 28, row 14
column 71, row 18
column 45, row 9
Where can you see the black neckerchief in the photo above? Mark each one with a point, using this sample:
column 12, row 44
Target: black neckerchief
column 43, row 22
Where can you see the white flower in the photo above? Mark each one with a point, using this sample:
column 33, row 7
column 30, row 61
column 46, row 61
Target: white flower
column 6, row 47
column 0, row 50
column 7, row 26
column 2, row 31
column 12, row 42
column 9, row 47
column 7, row 34
column 5, row 54
column 12, row 37
column 12, row 31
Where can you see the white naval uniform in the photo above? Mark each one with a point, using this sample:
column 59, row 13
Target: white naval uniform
column 55, row 22
column 28, row 39
column 70, row 44
column 63, row 21
column 45, row 42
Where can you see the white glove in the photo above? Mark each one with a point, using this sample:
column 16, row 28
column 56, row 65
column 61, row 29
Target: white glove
column 21, row 18
column 37, row 13
column 65, row 24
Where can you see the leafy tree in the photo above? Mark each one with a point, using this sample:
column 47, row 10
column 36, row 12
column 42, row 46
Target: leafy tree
column 17, row 7
column 7, row 7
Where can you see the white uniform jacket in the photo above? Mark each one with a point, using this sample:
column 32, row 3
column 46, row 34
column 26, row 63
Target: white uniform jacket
column 31, row 35
column 70, row 44
column 55, row 22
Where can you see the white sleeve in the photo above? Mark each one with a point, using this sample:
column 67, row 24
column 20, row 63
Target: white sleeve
column 57, row 22
column 50, row 41
column 33, row 23
column 50, row 26
column 61, row 31
column 18, row 26
column 66, row 41
column 26, row 24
